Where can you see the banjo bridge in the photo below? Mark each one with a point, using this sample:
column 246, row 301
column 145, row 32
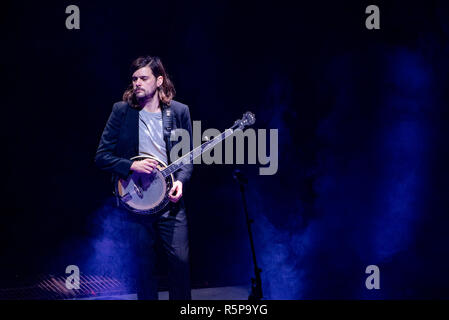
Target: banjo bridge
column 138, row 191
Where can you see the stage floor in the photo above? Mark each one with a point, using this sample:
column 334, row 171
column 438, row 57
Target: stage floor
column 220, row 293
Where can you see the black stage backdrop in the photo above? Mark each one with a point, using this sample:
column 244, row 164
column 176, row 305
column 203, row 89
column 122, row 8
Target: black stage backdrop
column 362, row 123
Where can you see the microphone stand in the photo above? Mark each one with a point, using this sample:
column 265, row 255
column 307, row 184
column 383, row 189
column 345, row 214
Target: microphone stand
column 256, row 282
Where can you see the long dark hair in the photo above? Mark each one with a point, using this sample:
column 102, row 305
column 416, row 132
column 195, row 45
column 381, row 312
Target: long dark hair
column 166, row 91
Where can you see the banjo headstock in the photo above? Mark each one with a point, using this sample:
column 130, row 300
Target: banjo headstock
column 248, row 119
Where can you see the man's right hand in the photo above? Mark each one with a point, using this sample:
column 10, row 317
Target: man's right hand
column 144, row 166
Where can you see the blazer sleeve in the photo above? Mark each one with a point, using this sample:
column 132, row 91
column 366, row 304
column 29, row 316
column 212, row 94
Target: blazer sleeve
column 185, row 172
column 105, row 157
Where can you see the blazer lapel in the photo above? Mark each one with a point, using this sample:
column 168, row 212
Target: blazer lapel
column 167, row 127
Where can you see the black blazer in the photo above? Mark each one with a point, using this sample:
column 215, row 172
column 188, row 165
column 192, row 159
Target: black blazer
column 120, row 139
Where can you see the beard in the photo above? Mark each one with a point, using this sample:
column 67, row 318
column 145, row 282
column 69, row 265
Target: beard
column 139, row 94
column 144, row 95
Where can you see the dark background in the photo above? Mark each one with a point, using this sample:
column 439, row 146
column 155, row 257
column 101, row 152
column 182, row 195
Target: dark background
column 362, row 118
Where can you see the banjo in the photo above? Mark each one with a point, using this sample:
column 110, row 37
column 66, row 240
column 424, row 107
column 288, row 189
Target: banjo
column 147, row 194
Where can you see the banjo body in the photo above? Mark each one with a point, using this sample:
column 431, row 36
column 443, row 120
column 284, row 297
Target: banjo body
column 142, row 193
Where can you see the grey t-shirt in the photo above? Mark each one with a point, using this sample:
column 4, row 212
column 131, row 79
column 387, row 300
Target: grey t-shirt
column 151, row 137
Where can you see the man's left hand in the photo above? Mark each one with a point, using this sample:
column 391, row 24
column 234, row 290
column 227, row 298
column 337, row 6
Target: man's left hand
column 175, row 192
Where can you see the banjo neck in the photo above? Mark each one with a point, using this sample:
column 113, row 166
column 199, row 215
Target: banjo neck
column 188, row 157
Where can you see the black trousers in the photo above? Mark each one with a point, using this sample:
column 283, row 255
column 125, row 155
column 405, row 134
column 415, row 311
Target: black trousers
column 168, row 230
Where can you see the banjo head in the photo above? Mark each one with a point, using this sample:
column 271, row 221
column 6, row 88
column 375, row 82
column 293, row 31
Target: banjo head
column 142, row 193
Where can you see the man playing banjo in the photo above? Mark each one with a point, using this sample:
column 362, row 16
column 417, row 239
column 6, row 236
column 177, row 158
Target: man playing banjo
column 140, row 125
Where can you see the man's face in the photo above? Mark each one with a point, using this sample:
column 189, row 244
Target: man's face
column 145, row 83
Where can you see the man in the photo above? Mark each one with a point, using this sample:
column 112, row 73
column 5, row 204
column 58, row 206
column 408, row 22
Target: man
column 135, row 127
